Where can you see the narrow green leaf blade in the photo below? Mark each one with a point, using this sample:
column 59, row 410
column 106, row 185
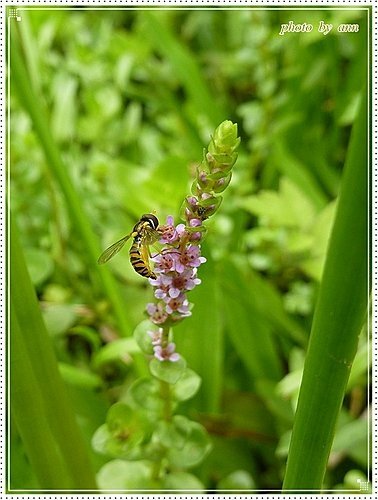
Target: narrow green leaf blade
column 339, row 315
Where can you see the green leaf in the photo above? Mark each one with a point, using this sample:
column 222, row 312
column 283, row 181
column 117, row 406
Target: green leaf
column 145, row 392
column 88, row 335
column 117, row 445
column 282, row 449
column 109, row 100
column 119, row 416
column 197, row 445
column 173, row 434
column 352, row 439
column 187, row 385
column 168, row 194
column 168, row 371
column 124, row 432
column 288, row 387
column 288, row 206
column 278, row 405
column 117, row 350
column 182, row 481
column 78, row 377
column 237, row 480
column 142, row 338
column 122, row 475
column 321, row 231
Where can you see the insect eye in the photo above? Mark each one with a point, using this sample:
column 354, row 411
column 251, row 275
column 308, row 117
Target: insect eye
column 151, row 219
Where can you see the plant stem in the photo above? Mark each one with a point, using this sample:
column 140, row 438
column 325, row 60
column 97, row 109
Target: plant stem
column 339, row 316
column 165, row 389
column 165, row 392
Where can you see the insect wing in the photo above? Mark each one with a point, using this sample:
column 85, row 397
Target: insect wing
column 111, row 251
column 150, row 236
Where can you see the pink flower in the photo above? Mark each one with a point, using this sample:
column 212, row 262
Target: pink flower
column 157, row 313
column 166, row 353
column 172, row 284
column 176, row 269
column 170, row 233
column 178, row 304
column 195, row 222
column 162, row 283
column 189, row 257
column 165, row 262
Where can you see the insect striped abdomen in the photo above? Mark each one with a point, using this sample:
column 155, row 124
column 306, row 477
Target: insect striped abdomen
column 139, row 263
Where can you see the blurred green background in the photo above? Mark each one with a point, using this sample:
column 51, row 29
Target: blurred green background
column 131, row 98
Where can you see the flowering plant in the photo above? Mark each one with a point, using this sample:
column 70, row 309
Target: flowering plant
column 156, row 445
column 176, row 265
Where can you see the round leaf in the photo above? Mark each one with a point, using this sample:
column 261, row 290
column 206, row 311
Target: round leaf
column 168, row 371
column 182, row 481
column 104, row 442
column 142, row 338
column 187, row 386
column 170, row 434
column 145, row 392
column 237, row 480
column 123, row 475
column 196, row 447
column 119, row 416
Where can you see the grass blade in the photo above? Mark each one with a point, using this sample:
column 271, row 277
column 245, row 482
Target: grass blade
column 28, row 413
column 339, row 316
column 34, row 373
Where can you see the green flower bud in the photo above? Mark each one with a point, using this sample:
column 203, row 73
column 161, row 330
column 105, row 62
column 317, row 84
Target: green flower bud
column 214, row 173
column 204, row 180
column 209, row 206
column 225, row 138
column 221, row 184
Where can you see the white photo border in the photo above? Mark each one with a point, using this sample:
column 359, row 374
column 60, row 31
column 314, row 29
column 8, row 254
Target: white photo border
column 12, row 12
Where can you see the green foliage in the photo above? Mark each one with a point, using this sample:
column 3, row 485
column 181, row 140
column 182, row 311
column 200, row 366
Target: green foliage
column 121, row 475
column 167, row 371
column 109, row 112
column 238, row 480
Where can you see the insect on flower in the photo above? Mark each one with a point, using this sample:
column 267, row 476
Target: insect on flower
column 144, row 234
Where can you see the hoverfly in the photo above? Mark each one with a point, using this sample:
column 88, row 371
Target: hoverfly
column 144, row 233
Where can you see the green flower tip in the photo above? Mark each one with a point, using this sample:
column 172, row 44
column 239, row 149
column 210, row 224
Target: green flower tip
column 226, row 136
